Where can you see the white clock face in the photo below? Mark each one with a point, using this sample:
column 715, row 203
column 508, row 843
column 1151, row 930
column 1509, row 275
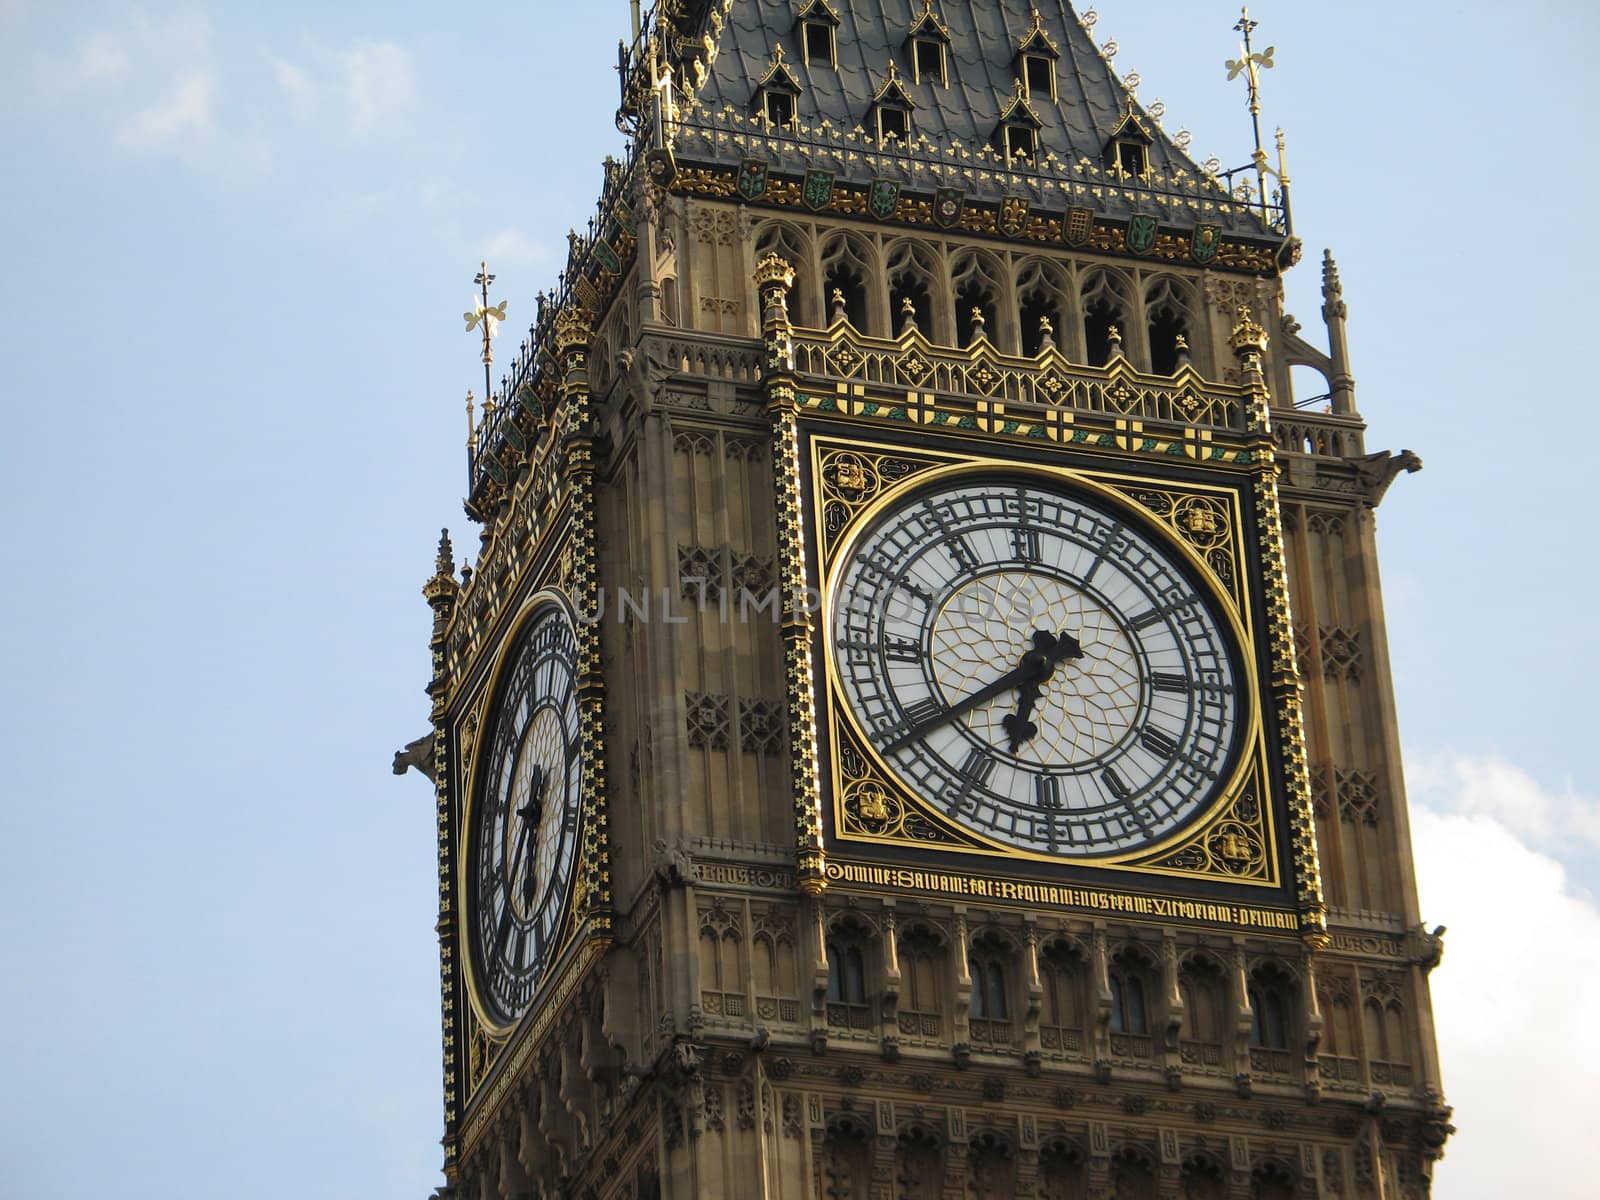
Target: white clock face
column 524, row 826
column 1035, row 666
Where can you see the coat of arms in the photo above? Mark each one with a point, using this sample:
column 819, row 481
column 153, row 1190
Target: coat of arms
column 1013, row 216
column 752, row 178
column 1141, row 233
column 817, row 191
column 947, row 206
column 607, row 257
column 1207, row 239
column 883, row 199
column 1078, row 224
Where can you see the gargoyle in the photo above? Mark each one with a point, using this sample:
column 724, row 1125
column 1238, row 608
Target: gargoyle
column 418, row 754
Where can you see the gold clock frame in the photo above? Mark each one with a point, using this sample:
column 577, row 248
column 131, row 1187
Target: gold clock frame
column 478, row 716
column 853, row 482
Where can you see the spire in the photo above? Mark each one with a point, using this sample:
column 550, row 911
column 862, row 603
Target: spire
column 1341, row 384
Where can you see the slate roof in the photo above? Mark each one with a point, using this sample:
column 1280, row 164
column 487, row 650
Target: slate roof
column 958, row 121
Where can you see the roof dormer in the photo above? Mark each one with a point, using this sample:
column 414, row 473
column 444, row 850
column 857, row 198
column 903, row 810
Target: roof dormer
column 928, row 44
column 776, row 92
column 890, row 116
column 1017, row 134
column 1036, row 61
column 1128, row 148
column 818, row 26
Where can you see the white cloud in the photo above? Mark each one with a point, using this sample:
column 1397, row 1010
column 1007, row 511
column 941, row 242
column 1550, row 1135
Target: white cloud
column 362, row 90
column 378, row 83
column 178, row 120
column 100, row 59
column 1520, row 979
column 1482, row 784
column 513, row 248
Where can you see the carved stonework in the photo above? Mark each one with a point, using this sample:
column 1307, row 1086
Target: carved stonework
column 1341, row 652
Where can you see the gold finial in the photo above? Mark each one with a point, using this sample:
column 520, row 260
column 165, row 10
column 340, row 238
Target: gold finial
column 572, row 328
column 487, row 317
column 1248, row 338
column 1180, row 342
column 1250, row 64
column 471, row 423
column 777, row 55
column 774, row 269
column 1113, row 335
column 1044, row 324
column 894, row 71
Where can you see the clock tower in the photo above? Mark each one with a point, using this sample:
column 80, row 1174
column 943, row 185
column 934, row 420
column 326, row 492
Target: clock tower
column 917, row 723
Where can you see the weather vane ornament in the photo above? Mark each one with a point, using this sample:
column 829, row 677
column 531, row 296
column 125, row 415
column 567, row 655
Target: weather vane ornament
column 483, row 315
column 1250, row 64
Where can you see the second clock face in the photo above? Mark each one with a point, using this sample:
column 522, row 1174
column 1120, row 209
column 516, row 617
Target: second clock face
column 524, row 825
column 1036, row 665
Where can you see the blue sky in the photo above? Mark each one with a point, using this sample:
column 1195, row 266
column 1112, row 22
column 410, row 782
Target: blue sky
column 239, row 238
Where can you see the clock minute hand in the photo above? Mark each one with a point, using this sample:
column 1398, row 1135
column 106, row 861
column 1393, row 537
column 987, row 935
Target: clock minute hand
column 1005, row 683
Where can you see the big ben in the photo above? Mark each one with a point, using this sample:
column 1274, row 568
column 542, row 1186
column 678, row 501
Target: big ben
column 917, row 721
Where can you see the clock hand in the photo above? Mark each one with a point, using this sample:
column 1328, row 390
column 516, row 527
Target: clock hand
column 1036, row 664
column 1048, row 650
column 529, row 813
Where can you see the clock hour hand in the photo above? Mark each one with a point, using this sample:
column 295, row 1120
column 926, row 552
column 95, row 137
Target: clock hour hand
column 529, row 813
column 1048, row 650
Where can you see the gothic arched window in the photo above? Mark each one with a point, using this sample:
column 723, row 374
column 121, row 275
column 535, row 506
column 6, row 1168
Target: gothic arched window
column 1104, row 308
column 848, row 985
column 846, row 267
column 911, row 274
column 1200, row 983
column 922, row 983
column 1129, row 976
column 977, row 280
column 1167, row 323
column 1061, row 977
column 1269, row 1008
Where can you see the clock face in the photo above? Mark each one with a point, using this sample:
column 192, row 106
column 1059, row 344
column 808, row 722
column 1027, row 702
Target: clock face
column 524, row 826
column 1034, row 665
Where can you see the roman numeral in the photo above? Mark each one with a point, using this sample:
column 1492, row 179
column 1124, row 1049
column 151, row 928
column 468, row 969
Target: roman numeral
column 1025, row 543
column 922, row 710
column 974, row 772
column 1114, row 783
column 1047, row 791
column 956, row 547
column 1166, row 681
column 1145, row 620
column 1158, row 741
column 901, row 650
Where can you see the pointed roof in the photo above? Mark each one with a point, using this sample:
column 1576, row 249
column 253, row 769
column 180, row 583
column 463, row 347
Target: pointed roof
column 893, row 92
column 779, row 74
column 956, row 120
column 928, row 25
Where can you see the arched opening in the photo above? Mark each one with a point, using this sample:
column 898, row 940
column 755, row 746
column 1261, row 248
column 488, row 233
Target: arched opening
column 793, row 247
column 1062, row 977
column 922, row 974
column 1129, row 975
column 1063, row 1172
column 1200, row 984
column 1167, row 324
column 1133, row 1175
column 1270, row 1012
column 1202, row 1178
column 847, row 948
column 977, row 289
column 911, row 274
column 845, row 270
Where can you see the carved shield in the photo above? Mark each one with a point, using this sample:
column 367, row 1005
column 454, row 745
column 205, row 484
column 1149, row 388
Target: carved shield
column 1013, row 216
column 752, row 178
column 817, row 191
column 1075, row 231
column 883, row 199
column 1207, row 239
column 1141, row 233
column 607, row 257
column 661, row 166
column 947, row 206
